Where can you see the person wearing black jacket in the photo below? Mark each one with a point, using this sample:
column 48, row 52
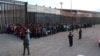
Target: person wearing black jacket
column 70, row 37
column 80, row 33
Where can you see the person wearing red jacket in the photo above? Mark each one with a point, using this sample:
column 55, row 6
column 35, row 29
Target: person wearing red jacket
column 21, row 32
column 38, row 31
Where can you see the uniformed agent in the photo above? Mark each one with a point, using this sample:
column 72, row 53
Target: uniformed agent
column 80, row 33
column 26, row 46
column 70, row 37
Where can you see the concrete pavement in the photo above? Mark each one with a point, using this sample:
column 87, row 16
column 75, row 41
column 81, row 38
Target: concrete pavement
column 54, row 45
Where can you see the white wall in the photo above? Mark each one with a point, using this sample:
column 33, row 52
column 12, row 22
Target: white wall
column 42, row 9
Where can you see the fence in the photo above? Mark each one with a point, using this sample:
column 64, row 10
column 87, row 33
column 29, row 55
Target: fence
column 12, row 13
column 43, row 18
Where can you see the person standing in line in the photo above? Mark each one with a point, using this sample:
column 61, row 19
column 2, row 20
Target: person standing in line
column 70, row 37
column 26, row 46
column 80, row 33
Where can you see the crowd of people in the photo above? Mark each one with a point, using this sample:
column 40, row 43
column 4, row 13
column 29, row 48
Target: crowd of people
column 25, row 32
column 37, row 30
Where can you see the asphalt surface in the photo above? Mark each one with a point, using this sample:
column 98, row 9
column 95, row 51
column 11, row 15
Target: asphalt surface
column 54, row 45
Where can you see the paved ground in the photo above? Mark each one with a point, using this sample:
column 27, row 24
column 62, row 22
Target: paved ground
column 54, row 45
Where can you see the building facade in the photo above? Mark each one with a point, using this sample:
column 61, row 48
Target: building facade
column 80, row 16
column 81, row 13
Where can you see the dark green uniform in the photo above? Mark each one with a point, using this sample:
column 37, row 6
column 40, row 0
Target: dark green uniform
column 26, row 46
column 80, row 34
column 70, row 37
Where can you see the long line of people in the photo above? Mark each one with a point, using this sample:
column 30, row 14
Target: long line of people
column 37, row 31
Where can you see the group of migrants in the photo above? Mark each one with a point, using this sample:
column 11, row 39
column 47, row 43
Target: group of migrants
column 37, row 31
column 25, row 32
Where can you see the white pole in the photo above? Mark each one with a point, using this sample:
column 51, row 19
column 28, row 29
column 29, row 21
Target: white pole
column 71, row 10
column 71, row 6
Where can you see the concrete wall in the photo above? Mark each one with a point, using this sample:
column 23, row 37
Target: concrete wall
column 42, row 9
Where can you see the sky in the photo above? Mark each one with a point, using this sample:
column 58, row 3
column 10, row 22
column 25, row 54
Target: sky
column 89, row 5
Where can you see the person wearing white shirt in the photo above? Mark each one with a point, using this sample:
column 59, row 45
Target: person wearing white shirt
column 28, row 33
